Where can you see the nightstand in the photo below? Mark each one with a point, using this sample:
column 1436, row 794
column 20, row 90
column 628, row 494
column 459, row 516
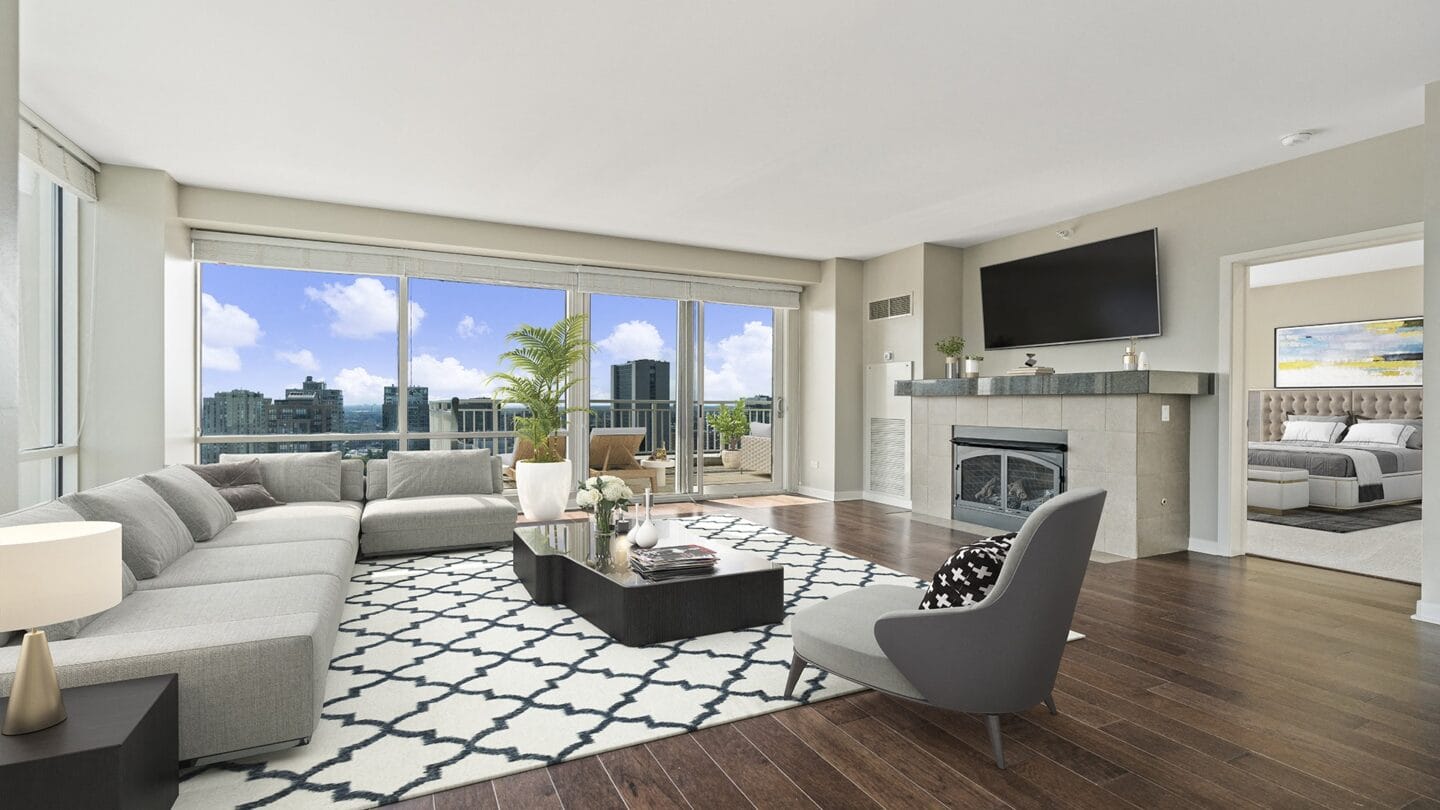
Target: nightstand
column 119, row 748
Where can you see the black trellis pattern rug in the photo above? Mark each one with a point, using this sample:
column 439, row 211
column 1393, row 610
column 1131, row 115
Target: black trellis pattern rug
column 1321, row 520
column 445, row 673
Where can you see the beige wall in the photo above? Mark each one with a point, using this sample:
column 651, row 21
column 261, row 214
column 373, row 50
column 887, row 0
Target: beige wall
column 830, row 397
column 1361, row 297
column 9, row 255
column 214, row 209
column 1365, row 186
column 933, row 275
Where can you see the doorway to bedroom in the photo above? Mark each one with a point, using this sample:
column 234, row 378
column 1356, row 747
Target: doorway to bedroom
column 1332, row 351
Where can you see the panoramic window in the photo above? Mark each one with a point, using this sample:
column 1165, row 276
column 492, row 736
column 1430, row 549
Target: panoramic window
column 47, row 252
column 294, row 352
column 453, row 356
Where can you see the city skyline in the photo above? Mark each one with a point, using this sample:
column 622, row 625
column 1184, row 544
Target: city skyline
column 264, row 330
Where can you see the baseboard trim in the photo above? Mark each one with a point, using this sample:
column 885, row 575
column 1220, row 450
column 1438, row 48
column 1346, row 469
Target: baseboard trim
column 828, row 494
column 1211, row 547
column 888, row 500
column 1427, row 612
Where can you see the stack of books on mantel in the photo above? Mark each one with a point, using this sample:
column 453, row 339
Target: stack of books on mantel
column 1030, row 371
column 657, row 564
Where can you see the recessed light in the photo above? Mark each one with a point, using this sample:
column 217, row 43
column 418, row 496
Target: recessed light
column 1297, row 138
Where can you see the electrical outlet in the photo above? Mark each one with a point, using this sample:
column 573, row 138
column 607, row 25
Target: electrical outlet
column 1164, row 413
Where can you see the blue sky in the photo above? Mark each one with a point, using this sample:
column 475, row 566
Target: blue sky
column 265, row 330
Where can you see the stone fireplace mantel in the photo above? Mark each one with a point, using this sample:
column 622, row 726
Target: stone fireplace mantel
column 1090, row 383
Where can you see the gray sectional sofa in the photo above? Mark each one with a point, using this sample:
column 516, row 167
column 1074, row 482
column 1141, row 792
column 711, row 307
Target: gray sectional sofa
column 248, row 616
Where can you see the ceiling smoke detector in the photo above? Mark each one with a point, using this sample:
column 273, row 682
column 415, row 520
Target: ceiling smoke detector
column 1297, row 138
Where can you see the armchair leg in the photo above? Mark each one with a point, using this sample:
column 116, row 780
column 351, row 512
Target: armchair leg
column 797, row 665
column 1050, row 703
column 992, row 724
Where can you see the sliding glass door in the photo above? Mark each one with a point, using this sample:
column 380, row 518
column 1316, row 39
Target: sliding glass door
column 739, row 425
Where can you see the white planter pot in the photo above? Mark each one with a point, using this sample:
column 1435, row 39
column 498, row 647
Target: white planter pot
column 729, row 459
column 972, row 366
column 544, row 488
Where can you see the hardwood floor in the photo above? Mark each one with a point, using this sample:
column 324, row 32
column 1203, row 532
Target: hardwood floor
column 1203, row 682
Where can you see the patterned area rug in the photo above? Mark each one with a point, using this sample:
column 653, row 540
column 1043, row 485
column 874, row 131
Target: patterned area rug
column 1321, row 520
column 445, row 673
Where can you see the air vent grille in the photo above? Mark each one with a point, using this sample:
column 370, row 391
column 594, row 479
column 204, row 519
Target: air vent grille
column 897, row 307
column 887, row 456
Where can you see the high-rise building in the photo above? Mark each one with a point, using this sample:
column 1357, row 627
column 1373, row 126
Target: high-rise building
column 232, row 412
column 640, row 394
column 311, row 408
column 417, row 409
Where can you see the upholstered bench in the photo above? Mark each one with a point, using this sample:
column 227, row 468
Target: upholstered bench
column 1277, row 490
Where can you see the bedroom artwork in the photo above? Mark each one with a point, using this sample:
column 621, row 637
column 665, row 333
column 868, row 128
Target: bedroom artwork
column 1357, row 354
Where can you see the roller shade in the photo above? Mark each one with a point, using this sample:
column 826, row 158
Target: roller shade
column 51, row 154
column 261, row 251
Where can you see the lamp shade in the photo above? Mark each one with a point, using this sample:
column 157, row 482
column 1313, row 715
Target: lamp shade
column 54, row 572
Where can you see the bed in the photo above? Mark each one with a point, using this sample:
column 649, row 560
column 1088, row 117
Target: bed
column 1347, row 475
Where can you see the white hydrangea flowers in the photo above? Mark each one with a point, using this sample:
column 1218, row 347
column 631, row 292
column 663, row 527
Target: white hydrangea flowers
column 603, row 490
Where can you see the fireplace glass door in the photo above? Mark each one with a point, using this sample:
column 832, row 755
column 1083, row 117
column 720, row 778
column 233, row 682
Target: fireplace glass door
column 1009, row 481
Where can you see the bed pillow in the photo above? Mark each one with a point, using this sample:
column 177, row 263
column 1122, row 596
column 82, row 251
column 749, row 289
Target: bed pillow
column 1417, row 438
column 1380, row 433
column 1306, row 431
column 968, row 575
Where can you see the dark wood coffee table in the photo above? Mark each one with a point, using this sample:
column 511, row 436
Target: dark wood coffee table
column 561, row 563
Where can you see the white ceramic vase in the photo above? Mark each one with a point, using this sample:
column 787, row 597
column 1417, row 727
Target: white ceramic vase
column 544, row 488
column 972, row 367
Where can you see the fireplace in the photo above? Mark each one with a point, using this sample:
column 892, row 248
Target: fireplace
column 1004, row 474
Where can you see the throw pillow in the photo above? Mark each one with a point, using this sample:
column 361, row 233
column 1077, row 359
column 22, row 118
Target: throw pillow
column 297, row 477
column 417, row 473
column 968, row 575
column 201, row 508
column 152, row 536
column 238, row 482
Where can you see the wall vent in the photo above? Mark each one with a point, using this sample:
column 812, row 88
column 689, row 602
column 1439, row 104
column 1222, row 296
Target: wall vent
column 897, row 307
column 887, row 456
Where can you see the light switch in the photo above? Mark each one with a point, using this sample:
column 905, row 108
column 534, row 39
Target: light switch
column 1164, row 413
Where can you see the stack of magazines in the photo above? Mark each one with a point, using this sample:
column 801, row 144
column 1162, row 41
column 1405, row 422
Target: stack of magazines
column 656, row 564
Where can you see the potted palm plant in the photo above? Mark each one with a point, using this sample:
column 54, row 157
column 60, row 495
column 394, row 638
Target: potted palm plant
column 730, row 422
column 542, row 362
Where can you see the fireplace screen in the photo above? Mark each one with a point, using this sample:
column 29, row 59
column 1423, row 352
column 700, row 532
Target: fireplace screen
column 998, row 482
column 1029, row 483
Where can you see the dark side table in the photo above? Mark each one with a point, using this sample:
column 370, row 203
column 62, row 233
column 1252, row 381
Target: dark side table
column 119, row 748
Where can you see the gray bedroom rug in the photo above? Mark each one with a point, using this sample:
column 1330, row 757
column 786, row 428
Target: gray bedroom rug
column 1342, row 522
column 445, row 673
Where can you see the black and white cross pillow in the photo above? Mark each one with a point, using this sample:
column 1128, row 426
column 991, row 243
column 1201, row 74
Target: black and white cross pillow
column 968, row 575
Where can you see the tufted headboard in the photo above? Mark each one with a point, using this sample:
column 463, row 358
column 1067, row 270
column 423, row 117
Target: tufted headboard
column 1267, row 407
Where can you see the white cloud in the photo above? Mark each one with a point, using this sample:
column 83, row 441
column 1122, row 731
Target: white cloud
column 469, row 327
column 739, row 365
column 448, row 377
column 303, row 359
column 633, row 340
column 363, row 308
column 360, row 386
column 224, row 328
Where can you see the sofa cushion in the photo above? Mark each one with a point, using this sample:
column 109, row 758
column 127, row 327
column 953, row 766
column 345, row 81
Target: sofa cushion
column 52, row 512
column 152, row 536
column 196, row 605
column 352, row 479
column 207, row 565
column 238, row 482
column 291, row 522
column 420, row 473
column 200, row 506
column 967, row 576
column 436, row 512
column 377, row 484
column 293, row 477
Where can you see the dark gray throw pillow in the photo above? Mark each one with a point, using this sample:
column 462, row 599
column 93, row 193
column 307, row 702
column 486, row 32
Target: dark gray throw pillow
column 152, row 536
column 200, row 506
column 238, row 482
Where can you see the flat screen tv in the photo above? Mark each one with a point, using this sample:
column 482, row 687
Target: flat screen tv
column 1101, row 291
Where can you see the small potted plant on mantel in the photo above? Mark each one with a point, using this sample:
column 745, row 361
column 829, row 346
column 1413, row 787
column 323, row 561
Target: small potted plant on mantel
column 730, row 422
column 972, row 364
column 953, row 348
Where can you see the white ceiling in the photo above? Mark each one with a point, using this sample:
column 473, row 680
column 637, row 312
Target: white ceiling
column 1344, row 263
column 806, row 127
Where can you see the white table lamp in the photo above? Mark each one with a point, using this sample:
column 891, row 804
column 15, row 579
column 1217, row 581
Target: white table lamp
column 51, row 572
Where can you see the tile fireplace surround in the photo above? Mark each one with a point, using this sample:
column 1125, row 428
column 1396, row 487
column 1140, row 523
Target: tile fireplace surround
column 1116, row 435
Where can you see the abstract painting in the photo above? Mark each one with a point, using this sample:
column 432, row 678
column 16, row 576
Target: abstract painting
column 1358, row 354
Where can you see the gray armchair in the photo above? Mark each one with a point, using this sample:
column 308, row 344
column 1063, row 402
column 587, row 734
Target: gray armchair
column 995, row 657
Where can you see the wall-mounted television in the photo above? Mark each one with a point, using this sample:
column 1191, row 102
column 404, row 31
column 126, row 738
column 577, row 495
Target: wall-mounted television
column 1105, row 290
